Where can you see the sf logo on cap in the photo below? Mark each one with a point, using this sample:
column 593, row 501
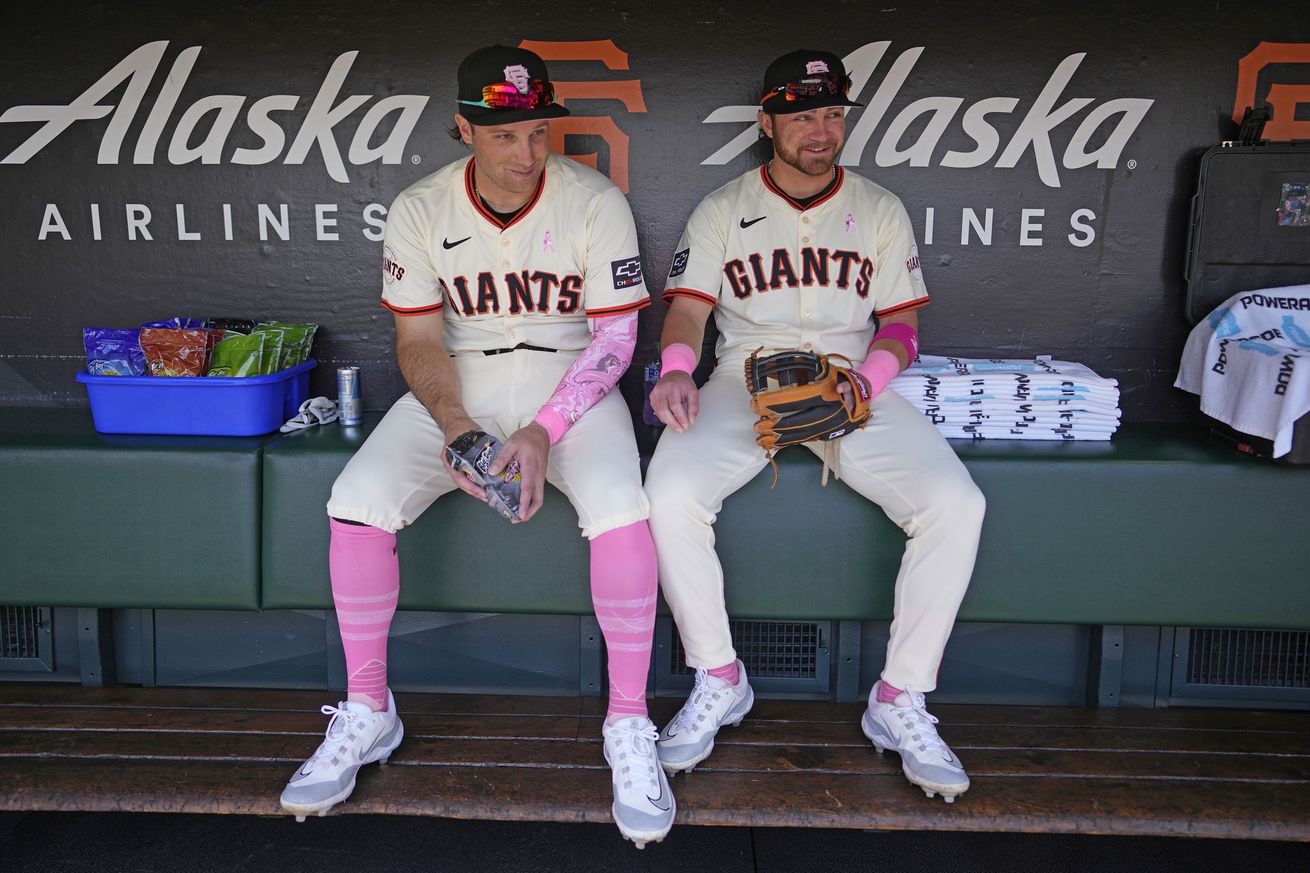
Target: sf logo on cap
column 815, row 67
column 517, row 75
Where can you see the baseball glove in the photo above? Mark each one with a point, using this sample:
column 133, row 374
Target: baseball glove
column 805, row 404
column 471, row 454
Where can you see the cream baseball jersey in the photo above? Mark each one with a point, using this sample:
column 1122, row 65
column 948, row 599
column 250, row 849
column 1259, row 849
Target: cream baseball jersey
column 784, row 276
column 570, row 254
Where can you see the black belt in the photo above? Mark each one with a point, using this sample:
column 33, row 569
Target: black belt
column 525, row 346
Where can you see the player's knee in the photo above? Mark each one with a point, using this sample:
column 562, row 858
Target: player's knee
column 968, row 505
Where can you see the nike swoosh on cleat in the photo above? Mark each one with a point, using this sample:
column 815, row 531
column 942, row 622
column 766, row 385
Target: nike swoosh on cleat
column 655, row 801
column 745, row 224
column 447, row 244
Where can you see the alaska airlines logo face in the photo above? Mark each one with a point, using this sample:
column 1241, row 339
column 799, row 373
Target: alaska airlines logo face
column 204, row 128
column 932, row 116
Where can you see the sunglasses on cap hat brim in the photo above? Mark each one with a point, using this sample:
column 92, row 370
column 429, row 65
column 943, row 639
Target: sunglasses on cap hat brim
column 808, row 87
column 505, row 95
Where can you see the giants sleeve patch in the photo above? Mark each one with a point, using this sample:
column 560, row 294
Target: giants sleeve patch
column 626, row 272
column 679, row 263
column 391, row 270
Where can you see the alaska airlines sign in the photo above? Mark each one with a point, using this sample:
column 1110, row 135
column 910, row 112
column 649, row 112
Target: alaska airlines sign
column 1048, row 112
column 203, row 130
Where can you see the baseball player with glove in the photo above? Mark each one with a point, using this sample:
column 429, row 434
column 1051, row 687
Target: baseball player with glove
column 515, row 282
column 812, row 275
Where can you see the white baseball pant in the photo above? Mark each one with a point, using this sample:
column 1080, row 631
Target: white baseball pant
column 397, row 472
column 898, row 460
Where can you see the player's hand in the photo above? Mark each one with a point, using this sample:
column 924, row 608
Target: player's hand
column 530, row 447
column 844, row 389
column 675, row 400
column 453, row 430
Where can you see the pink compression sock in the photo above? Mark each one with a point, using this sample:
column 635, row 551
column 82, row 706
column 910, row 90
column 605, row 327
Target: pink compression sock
column 624, row 582
column 365, row 587
column 887, row 693
column 729, row 674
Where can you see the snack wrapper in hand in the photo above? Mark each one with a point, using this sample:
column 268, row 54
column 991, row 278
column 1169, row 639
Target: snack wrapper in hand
column 472, row 454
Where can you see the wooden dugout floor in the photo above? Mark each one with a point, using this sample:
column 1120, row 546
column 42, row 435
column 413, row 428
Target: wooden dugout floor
column 1183, row 772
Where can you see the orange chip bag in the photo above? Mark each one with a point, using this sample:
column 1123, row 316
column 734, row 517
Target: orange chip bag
column 172, row 352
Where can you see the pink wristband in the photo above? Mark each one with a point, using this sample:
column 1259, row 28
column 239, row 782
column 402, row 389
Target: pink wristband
column 554, row 423
column 679, row 357
column 879, row 369
column 903, row 334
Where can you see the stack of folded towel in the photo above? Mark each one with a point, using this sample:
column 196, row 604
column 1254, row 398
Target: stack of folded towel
column 1005, row 399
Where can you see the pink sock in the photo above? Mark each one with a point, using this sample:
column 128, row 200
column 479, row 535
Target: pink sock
column 729, row 674
column 365, row 587
column 887, row 693
column 624, row 584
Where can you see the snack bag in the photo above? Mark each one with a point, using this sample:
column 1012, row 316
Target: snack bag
column 303, row 335
column 177, row 323
column 296, row 340
column 271, row 341
column 111, row 352
column 242, row 326
column 172, row 352
column 237, row 355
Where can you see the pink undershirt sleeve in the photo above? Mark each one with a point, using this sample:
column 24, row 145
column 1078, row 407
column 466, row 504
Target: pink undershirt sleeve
column 592, row 375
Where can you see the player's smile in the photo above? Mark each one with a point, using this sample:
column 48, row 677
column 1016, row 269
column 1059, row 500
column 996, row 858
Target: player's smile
column 806, row 144
column 509, row 161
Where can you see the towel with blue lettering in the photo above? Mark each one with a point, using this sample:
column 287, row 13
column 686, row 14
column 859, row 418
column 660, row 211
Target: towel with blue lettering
column 1012, row 398
column 1244, row 360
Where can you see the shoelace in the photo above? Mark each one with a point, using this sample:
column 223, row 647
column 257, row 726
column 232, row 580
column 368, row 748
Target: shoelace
column 918, row 719
column 640, row 740
column 701, row 696
column 341, row 729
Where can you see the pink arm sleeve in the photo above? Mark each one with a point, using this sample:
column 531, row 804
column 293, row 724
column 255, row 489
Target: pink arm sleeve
column 592, row 375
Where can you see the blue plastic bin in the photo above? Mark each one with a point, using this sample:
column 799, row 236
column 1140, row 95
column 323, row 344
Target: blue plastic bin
column 201, row 405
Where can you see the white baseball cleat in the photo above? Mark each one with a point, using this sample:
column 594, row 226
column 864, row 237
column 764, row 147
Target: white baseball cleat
column 689, row 738
column 906, row 727
column 643, row 802
column 355, row 736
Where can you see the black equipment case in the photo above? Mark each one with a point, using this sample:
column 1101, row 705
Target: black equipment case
column 1246, row 230
column 1250, row 229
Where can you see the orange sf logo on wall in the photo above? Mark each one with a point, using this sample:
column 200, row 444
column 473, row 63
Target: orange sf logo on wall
column 1283, row 98
column 626, row 91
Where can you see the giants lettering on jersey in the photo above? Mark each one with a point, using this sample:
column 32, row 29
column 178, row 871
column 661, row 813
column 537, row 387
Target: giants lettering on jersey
column 818, row 266
column 524, row 291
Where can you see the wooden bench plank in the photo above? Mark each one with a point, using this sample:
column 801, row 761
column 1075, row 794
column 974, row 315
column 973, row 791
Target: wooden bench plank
column 1042, row 804
column 539, row 759
column 806, row 711
column 586, row 754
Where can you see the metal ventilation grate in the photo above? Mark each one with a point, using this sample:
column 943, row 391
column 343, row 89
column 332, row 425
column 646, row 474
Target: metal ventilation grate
column 769, row 649
column 20, row 632
column 1249, row 658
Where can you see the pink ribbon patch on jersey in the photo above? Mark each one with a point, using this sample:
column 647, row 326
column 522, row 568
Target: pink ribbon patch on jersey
column 547, row 243
column 850, row 222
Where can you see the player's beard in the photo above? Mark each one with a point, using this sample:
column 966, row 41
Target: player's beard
column 807, row 162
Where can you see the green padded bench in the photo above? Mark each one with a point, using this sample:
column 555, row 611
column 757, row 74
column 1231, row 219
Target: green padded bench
column 1158, row 527
column 95, row 520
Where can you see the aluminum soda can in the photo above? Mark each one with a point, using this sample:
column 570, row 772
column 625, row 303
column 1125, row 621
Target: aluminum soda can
column 350, row 406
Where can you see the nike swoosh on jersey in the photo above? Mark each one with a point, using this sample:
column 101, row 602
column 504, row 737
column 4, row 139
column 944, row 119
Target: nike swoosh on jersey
column 745, row 224
column 447, row 244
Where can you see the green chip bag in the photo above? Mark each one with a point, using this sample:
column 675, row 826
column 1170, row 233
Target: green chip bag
column 297, row 340
column 272, row 344
column 238, row 355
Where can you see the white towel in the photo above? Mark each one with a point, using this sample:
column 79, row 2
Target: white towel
column 1039, row 398
column 1244, row 361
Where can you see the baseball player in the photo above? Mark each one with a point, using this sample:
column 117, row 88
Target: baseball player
column 515, row 282
column 800, row 254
